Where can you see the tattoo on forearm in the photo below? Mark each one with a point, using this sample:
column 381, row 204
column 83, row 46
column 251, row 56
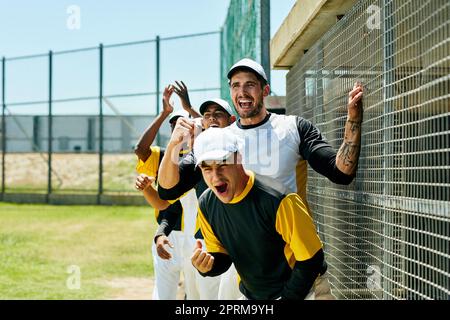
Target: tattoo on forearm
column 354, row 125
column 349, row 153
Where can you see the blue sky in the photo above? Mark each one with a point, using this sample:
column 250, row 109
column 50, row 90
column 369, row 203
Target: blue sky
column 34, row 27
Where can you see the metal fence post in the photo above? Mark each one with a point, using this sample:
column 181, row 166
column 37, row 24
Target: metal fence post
column 50, row 125
column 265, row 37
column 388, row 24
column 3, row 126
column 158, row 137
column 221, row 54
column 100, row 151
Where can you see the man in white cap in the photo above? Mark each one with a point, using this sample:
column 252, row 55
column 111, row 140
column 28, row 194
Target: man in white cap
column 216, row 113
column 269, row 236
column 176, row 220
column 292, row 139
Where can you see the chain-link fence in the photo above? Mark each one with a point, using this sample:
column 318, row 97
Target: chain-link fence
column 70, row 119
column 386, row 235
column 245, row 34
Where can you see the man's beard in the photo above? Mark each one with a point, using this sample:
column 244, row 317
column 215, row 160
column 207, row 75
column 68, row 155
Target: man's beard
column 252, row 113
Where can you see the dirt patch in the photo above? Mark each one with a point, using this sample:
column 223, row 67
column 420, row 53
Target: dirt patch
column 135, row 289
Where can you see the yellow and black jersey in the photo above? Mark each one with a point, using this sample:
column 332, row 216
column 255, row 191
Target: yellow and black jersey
column 151, row 165
column 172, row 217
column 270, row 238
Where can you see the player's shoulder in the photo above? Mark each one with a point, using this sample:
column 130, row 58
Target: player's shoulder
column 284, row 121
column 157, row 149
column 266, row 191
column 234, row 128
column 282, row 117
column 209, row 204
column 206, row 198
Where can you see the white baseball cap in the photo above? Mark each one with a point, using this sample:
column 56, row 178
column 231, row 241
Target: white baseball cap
column 248, row 64
column 217, row 101
column 215, row 144
column 180, row 113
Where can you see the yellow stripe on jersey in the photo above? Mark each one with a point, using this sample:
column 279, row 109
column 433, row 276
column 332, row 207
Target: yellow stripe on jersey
column 248, row 187
column 151, row 165
column 184, row 151
column 297, row 229
column 182, row 218
column 212, row 243
column 156, row 213
column 301, row 177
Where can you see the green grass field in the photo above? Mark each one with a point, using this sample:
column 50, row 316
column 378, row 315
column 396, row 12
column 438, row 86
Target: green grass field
column 110, row 246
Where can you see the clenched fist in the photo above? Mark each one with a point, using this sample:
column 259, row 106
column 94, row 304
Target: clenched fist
column 143, row 181
column 202, row 260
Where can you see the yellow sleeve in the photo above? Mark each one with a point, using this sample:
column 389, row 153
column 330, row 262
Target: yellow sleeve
column 212, row 243
column 297, row 228
column 151, row 165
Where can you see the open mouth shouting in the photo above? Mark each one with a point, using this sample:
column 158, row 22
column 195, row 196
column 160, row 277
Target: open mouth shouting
column 222, row 189
column 245, row 104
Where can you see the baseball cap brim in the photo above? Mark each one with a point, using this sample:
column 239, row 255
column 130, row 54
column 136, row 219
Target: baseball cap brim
column 177, row 114
column 221, row 103
column 174, row 118
column 215, row 155
column 249, row 65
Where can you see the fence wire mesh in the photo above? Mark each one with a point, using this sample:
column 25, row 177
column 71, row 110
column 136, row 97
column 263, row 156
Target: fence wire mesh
column 70, row 118
column 245, row 34
column 386, row 235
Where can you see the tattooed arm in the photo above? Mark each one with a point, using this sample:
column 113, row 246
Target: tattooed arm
column 348, row 154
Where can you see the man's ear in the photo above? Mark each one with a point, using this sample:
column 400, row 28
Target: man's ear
column 266, row 90
column 231, row 119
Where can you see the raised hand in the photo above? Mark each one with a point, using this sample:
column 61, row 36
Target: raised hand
column 355, row 109
column 167, row 106
column 182, row 91
column 183, row 130
column 348, row 154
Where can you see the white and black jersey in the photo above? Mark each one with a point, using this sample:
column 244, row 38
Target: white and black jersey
column 277, row 150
